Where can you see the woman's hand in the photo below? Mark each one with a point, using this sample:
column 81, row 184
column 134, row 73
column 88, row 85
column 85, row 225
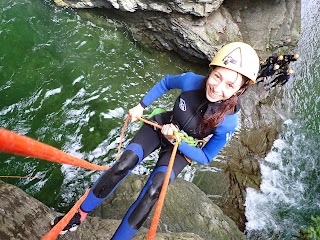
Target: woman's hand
column 167, row 131
column 135, row 112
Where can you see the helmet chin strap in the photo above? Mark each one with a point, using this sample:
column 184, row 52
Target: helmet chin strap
column 236, row 77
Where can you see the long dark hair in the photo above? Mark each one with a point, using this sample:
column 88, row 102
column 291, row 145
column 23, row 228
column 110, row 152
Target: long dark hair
column 215, row 115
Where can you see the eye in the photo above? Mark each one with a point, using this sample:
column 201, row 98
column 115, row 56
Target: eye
column 230, row 85
column 216, row 77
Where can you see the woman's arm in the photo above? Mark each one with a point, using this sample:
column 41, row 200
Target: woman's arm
column 222, row 134
column 185, row 82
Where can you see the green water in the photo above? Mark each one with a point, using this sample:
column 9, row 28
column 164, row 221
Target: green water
column 68, row 78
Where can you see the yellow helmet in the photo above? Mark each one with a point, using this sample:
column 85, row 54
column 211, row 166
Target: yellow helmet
column 239, row 57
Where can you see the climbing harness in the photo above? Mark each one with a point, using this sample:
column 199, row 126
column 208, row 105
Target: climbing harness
column 188, row 139
column 178, row 135
column 154, row 112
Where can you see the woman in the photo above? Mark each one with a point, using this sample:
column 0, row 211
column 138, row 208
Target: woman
column 207, row 108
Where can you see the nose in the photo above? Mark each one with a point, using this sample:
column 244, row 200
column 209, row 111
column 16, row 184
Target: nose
column 218, row 87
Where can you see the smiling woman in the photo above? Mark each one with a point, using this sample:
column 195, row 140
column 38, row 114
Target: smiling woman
column 233, row 68
column 205, row 110
column 222, row 84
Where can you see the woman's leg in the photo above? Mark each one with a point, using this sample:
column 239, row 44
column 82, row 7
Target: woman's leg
column 145, row 141
column 141, row 208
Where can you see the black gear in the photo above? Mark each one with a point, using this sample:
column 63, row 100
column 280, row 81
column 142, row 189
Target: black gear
column 71, row 226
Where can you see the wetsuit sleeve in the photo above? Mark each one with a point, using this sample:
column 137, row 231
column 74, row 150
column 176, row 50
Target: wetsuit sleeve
column 185, row 82
column 220, row 137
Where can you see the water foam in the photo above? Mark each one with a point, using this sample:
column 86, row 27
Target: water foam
column 276, row 209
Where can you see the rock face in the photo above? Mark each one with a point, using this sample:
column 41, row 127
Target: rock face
column 197, row 29
column 239, row 159
column 21, row 216
column 187, row 214
column 200, row 8
column 186, row 209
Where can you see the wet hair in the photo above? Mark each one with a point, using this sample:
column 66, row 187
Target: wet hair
column 210, row 121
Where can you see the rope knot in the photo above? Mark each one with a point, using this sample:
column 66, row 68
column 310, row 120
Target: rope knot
column 182, row 135
column 178, row 137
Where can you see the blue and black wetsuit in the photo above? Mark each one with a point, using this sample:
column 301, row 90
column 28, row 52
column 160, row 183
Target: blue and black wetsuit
column 188, row 110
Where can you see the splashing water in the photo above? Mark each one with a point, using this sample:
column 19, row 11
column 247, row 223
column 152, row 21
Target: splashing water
column 290, row 188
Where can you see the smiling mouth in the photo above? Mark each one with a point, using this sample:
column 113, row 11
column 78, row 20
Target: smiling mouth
column 212, row 93
column 215, row 95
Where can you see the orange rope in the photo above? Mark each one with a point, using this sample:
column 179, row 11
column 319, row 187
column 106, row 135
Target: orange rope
column 122, row 135
column 19, row 177
column 158, row 126
column 149, row 122
column 11, row 142
column 157, row 212
column 55, row 231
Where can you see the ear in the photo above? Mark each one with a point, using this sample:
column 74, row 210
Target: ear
column 243, row 88
column 240, row 92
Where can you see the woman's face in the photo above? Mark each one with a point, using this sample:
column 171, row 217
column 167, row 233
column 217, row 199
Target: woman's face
column 222, row 83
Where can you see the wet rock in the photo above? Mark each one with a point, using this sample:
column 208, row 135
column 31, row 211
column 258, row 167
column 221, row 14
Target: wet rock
column 187, row 214
column 197, row 29
column 186, row 209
